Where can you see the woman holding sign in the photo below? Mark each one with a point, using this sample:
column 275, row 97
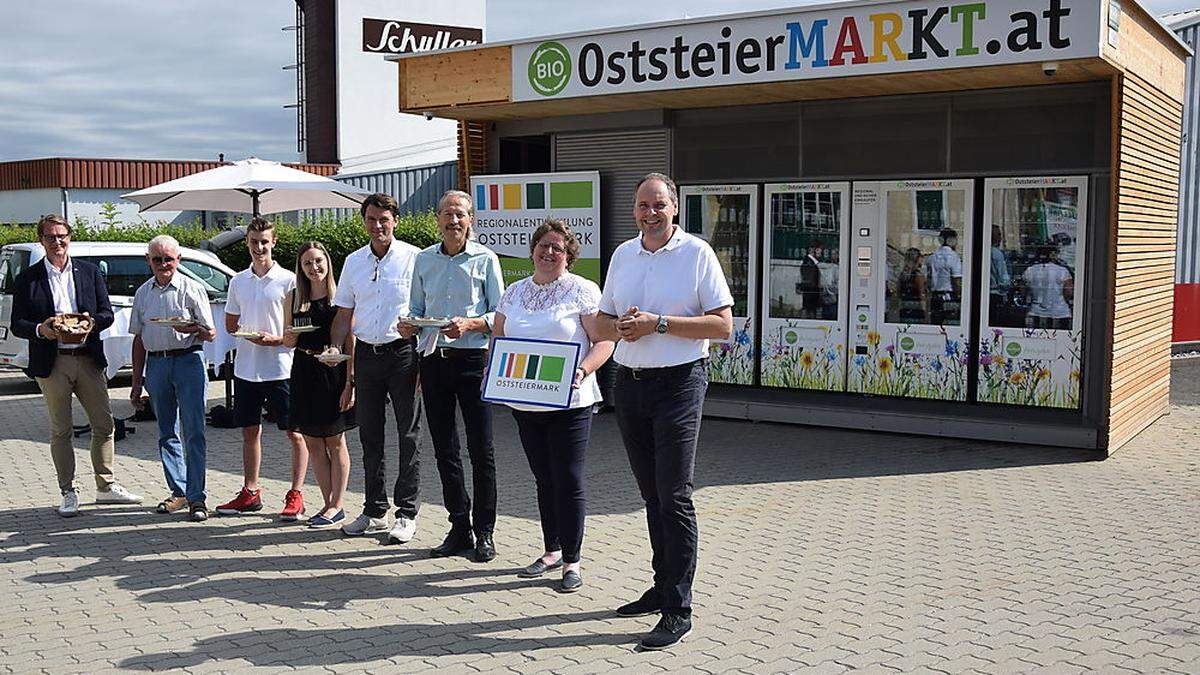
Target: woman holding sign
column 555, row 304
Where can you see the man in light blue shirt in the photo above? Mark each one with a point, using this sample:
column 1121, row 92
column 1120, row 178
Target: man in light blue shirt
column 459, row 280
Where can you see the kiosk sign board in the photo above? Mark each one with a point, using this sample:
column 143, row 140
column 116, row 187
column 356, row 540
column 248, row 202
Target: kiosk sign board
column 508, row 208
column 821, row 42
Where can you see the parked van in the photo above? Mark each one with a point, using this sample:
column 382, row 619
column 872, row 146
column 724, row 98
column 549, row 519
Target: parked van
column 125, row 268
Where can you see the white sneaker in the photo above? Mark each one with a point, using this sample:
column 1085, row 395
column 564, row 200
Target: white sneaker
column 116, row 494
column 364, row 524
column 403, row 531
column 70, row 504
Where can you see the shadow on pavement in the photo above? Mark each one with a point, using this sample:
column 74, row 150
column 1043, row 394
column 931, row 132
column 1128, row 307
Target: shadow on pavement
column 300, row 648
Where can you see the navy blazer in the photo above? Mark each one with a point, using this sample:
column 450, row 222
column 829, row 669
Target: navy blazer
column 33, row 303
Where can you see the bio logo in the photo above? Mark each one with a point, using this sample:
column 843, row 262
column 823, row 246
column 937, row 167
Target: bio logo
column 1013, row 349
column 907, row 343
column 549, row 68
column 791, row 337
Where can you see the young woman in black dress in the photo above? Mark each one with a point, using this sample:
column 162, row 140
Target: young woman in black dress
column 322, row 397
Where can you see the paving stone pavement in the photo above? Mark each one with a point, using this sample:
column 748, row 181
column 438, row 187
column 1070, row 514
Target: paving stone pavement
column 821, row 551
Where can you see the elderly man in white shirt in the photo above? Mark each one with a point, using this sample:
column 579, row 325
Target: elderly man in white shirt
column 170, row 320
column 254, row 311
column 664, row 298
column 372, row 294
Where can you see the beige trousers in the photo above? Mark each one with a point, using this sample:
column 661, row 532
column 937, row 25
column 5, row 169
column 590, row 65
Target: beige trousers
column 80, row 376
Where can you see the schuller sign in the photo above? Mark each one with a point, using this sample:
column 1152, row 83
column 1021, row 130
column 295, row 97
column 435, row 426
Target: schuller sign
column 509, row 208
column 830, row 41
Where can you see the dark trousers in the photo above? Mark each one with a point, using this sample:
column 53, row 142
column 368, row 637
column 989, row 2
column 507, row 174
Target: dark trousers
column 388, row 372
column 555, row 444
column 447, row 380
column 659, row 418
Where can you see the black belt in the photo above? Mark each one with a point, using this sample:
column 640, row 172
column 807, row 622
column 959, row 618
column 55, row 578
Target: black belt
column 172, row 353
column 665, row 371
column 387, row 346
column 453, row 353
column 71, row 352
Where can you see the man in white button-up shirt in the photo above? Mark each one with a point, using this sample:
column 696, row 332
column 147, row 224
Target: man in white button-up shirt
column 254, row 310
column 372, row 294
column 664, row 298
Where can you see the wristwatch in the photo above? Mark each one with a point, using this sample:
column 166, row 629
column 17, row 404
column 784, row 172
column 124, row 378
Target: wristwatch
column 661, row 328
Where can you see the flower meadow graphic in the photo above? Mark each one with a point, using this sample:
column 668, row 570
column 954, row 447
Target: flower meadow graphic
column 1008, row 375
column 788, row 363
column 732, row 362
column 890, row 369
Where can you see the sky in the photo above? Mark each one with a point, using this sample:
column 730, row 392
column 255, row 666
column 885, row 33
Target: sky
column 188, row 79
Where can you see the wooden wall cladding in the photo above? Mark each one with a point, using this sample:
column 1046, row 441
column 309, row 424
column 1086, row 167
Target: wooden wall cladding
column 1148, row 128
column 472, row 151
column 468, row 77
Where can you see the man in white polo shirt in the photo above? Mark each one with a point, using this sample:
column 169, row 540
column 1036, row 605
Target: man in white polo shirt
column 372, row 294
column 262, row 368
column 664, row 298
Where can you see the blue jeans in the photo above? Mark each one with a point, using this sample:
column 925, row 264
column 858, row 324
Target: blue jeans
column 177, row 390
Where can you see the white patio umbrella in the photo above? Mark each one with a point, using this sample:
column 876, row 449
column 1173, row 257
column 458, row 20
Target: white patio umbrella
column 251, row 185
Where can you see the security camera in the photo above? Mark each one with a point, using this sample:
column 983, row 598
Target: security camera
column 1050, row 68
column 429, row 116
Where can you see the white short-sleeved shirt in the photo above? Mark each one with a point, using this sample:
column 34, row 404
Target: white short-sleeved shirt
column 944, row 264
column 683, row 278
column 377, row 289
column 258, row 303
column 552, row 312
column 1045, row 282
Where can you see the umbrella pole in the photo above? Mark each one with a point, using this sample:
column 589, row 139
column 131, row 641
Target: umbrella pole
column 254, row 202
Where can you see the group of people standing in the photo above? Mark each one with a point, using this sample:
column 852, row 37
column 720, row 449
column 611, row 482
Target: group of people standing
column 664, row 297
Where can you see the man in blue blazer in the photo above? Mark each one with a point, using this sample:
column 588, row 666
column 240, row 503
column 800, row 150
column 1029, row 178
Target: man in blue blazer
column 59, row 285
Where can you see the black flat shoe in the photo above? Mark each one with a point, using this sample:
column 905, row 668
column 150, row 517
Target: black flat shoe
column 670, row 629
column 649, row 603
column 456, row 542
column 571, row 582
column 485, row 550
column 537, row 568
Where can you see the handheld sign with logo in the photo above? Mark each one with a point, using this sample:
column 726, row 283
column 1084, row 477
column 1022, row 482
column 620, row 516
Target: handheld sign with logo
column 532, row 372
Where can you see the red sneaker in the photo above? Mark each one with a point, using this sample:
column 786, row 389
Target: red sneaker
column 245, row 502
column 293, row 506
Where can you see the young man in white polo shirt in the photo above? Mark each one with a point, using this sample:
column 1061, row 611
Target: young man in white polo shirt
column 262, row 368
column 371, row 295
column 664, row 298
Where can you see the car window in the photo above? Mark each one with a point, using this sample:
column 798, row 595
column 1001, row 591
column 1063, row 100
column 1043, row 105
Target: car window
column 214, row 280
column 12, row 263
column 122, row 274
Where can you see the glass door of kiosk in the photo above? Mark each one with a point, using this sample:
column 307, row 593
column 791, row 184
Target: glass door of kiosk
column 727, row 217
column 912, row 285
column 1031, row 305
column 804, row 303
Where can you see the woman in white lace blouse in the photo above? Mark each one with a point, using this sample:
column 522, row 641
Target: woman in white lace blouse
column 555, row 304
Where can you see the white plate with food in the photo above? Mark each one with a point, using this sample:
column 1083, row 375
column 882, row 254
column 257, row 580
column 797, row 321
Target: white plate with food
column 301, row 329
column 173, row 321
column 425, row 322
column 332, row 355
column 246, row 334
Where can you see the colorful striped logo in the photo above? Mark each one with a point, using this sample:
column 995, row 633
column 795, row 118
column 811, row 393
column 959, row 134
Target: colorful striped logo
column 532, row 367
column 517, row 196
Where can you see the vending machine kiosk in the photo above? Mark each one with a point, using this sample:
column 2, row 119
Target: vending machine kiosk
column 912, row 243
column 1031, row 300
column 804, row 282
column 727, row 217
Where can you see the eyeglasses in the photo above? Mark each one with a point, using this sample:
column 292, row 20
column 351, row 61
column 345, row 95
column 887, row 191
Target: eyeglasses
column 56, row 237
column 553, row 248
column 162, row 259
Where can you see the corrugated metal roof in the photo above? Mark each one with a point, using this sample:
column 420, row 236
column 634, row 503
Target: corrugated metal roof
column 1178, row 20
column 122, row 174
